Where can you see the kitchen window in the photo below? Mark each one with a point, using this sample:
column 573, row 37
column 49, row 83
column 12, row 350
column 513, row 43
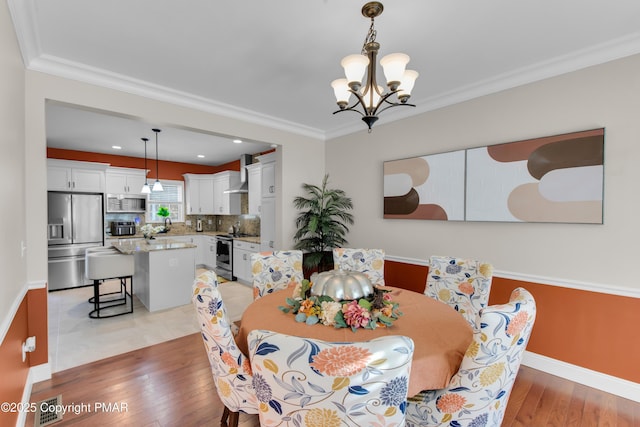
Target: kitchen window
column 172, row 198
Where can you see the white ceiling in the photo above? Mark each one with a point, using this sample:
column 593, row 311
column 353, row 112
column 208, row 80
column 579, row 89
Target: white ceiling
column 272, row 62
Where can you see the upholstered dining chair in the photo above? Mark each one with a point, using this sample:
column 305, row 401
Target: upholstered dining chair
column 367, row 261
column 230, row 368
column 306, row 382
column 275, row 270
column 464, row 284
column 478, row 393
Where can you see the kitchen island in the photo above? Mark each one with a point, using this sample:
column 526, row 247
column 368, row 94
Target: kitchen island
column 164, row 271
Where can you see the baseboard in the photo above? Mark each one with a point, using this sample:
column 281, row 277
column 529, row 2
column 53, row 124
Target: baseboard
column 40, row 372
column 607, row 383
column 36, row 374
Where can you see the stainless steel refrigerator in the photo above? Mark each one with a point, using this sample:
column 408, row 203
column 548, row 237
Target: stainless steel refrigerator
column 76, row 222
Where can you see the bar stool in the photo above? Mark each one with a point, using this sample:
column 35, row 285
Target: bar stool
column 106, row 263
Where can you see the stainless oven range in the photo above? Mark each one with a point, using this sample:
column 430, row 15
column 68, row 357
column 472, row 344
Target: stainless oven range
column 224, row 256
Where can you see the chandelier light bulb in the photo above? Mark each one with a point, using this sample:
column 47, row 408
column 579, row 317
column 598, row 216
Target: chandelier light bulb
column 406, row 85
column 393, row 66
column 341, row 91
column 354, row 68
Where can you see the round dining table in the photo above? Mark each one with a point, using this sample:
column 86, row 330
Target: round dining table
column 440, row 334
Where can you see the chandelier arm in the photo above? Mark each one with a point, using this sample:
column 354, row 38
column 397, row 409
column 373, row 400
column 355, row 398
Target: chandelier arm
column 395, row 104
column 349, row 109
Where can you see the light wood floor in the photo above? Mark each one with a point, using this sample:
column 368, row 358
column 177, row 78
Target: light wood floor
column 170, row 384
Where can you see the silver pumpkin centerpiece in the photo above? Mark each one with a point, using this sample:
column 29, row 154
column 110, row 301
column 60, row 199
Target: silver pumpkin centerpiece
column 341, row 284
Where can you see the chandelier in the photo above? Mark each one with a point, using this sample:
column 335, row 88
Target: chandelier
column 371, row 98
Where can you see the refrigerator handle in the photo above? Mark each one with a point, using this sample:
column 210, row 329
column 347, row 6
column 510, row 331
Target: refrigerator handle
column 56, row 231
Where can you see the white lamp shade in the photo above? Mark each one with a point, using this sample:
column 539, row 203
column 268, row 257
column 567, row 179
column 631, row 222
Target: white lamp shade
column 157, row 186
column 376, row 97
column 393, row 66
column 145, row 189
column 354, row 67
column 341, row 90
column 407, row 82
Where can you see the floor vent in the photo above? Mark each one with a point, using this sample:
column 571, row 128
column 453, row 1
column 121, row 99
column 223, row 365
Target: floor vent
column 48, row 411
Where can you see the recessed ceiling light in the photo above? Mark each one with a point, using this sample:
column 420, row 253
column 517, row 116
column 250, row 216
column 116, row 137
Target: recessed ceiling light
column 237, row 141
column 116, row 147
column 201, row 156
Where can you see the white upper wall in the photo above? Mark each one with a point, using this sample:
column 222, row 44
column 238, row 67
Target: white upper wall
column 13, row 270
column 602, row 96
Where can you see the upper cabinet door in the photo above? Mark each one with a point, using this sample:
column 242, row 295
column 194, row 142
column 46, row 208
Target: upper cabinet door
column 69, row 175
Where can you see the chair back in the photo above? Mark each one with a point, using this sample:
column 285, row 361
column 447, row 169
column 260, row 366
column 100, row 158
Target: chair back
column 275, row 270
column 478, row 393
column 367, row 261
column 463, row 284
column 307, row 382
column 230, row 368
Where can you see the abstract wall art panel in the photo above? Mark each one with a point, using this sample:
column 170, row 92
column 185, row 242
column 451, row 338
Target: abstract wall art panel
column 552, row 179
column 427, row 187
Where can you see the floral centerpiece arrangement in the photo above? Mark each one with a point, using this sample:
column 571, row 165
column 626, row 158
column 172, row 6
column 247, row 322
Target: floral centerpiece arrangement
column 148, row 231
column 370, row 312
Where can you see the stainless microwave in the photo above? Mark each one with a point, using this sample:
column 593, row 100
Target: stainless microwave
column 126, row 203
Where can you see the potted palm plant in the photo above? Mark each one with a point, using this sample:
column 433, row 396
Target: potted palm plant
column 322, row 224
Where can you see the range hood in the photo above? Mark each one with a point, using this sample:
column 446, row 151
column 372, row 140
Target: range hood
column 243, row 187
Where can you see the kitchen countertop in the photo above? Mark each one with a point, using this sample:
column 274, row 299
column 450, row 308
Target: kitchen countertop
column 132, row 246
column 169, row 235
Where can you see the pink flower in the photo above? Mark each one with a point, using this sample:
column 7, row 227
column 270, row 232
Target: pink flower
column 355, row 315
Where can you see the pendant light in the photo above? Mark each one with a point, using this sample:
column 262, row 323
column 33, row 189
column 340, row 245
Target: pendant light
column 157, row 186
column 145, row 188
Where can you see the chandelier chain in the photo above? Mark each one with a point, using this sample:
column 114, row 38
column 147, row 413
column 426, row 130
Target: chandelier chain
column 370, row 38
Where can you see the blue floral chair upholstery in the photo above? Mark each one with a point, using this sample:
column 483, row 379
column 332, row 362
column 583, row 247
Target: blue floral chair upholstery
column 230, row 368
column 305, row 382
column 275, row 270
column 479, row 391
column 367, row 261
column 464, row 284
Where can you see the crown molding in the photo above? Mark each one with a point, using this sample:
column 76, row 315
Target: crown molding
column 99, row 77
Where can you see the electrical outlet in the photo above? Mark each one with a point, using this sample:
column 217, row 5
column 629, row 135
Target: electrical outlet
column 188, row 223
column 210, row 222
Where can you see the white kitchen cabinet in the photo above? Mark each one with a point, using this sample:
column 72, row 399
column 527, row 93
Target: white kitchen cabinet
column 268, row 172
column 268, row 224
column 226, row 203
column 125, row 180
column 242, row 260
column 268, row 202
column 199, row 194
column 209, row 252
column 254, row 177
column 71, row 175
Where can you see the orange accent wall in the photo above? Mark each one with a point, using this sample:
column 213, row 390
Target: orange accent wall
column 167, row 170
column 38, row 325
column 589, row 329
column 13, row 370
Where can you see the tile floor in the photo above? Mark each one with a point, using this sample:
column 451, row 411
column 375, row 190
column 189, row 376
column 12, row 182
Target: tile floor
column 75, row 339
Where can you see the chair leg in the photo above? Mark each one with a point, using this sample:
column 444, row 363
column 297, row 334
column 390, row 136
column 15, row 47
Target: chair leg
column 229, row 418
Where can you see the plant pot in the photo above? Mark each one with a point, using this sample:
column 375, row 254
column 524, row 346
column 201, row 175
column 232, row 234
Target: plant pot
column 326, row 264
